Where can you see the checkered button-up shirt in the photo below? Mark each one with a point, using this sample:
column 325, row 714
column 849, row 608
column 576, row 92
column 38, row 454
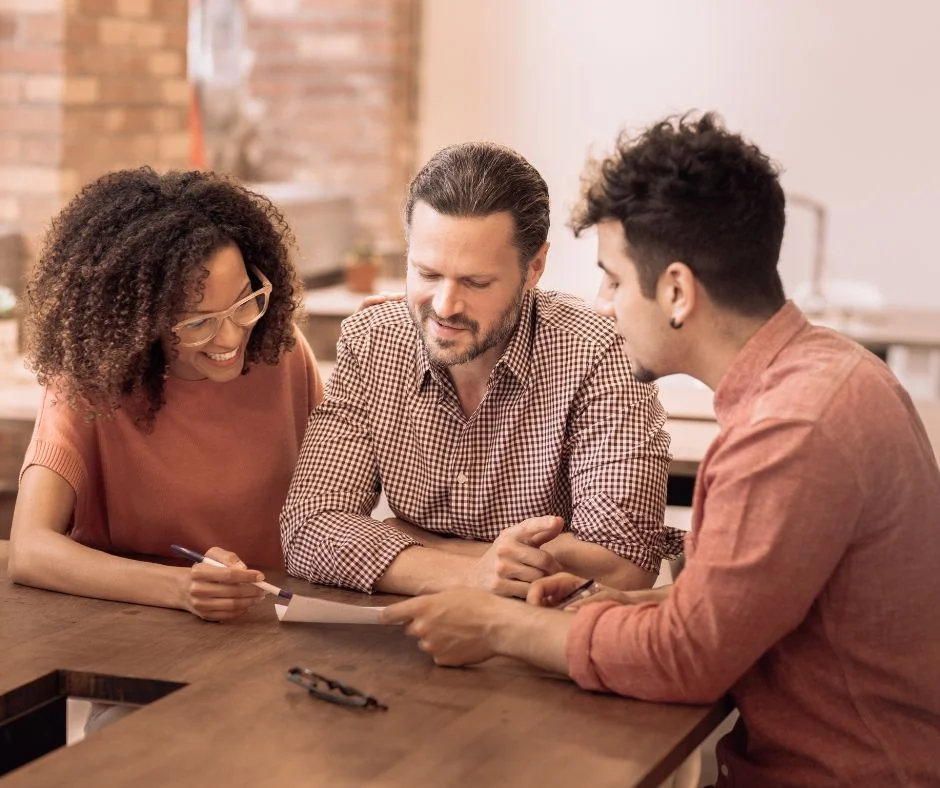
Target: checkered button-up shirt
column 563, row 429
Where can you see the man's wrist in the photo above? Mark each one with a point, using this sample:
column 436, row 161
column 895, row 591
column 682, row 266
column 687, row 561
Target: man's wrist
column 535, row 634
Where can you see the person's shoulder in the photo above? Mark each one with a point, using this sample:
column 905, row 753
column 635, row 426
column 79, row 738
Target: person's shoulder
column 387, row 326
column 823, row 374
column 571, row 319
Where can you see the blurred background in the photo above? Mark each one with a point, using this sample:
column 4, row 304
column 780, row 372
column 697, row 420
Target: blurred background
column 330, row 105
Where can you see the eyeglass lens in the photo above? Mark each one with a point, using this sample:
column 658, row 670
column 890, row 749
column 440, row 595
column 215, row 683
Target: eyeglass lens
column 245, row 314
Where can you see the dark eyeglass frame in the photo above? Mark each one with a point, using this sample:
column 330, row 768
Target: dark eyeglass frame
column 220, row 317
column 335, row 692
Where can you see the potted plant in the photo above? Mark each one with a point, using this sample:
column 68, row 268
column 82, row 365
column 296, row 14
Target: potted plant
column 363, row 267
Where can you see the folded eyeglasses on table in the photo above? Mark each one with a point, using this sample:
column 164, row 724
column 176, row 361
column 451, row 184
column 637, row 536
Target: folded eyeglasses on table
column 332, row 690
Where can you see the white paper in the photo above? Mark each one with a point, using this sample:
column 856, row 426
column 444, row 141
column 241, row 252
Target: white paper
column 308, row 610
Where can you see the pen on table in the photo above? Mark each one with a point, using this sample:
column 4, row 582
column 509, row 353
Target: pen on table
column 199, row 558
column 586, row 588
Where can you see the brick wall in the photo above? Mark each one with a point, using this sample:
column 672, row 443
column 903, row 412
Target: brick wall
column 31, row 80
column 338, row 82
column 86, row 86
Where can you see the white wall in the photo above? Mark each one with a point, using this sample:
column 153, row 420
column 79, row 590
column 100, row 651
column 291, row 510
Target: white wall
column 843, row 93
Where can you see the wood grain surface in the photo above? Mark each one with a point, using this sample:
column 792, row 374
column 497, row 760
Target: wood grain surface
column 240, row 722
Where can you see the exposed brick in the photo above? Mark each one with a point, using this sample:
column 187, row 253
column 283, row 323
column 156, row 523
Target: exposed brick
column 9, row 210
column 173, row 146
column 81, row 90
column 11, row 88
column 11, row 149
column 8, row 27
column 96, row 7
column 175, row 91
column 28, row 179
column 116, row 32
column 138, row 9
column 42, row 150
column 29, row 6
column 171, row 11
column 28, row 120
column 43, row 89
column 166, row 64
column 46, row 28
column 30, row 60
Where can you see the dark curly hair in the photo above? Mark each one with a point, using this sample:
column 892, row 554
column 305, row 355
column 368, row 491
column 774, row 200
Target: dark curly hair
column 688, row 190
column 120, row 263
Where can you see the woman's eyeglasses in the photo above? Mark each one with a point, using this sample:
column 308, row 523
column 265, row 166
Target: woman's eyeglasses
column 331, row 690
column 244, row 313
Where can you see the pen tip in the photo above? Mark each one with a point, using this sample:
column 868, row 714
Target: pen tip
column 285, row 594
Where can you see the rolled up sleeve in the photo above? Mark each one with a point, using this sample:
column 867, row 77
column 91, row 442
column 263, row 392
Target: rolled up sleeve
column 326, row 532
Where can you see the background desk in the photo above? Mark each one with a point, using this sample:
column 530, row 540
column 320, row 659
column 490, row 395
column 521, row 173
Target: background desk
column 239, row 722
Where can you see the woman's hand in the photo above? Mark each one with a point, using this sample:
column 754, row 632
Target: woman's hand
column 221, row 593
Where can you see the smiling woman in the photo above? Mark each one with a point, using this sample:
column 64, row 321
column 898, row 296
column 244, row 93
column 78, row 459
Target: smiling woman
column 161, row 324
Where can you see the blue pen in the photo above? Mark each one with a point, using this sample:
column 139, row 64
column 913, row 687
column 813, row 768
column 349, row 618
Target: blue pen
column 199, row 558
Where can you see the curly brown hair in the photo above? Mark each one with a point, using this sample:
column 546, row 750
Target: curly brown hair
column 120, row 263
column 687, row 189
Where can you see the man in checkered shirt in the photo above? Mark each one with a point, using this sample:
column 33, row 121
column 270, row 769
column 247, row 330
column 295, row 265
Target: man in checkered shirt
column 502, row 421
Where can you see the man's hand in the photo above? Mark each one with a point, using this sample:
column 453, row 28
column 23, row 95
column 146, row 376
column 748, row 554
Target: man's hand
column 452, row 626
column 515, row 559
column 379, row 298
column 220, row 594
column 549, row 591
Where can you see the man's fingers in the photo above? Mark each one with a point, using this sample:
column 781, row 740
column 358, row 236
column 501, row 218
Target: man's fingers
column 401, row 612
column 520, row 554
column 549, row 591
column 514, row 588
column 539, row 530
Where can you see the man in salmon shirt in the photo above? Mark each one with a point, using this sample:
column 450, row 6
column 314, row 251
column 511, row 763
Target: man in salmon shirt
column 810, row 588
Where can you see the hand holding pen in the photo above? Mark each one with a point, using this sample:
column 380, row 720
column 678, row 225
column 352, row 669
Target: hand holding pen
column 219, row 586
column 564, row 590
column 570, row 592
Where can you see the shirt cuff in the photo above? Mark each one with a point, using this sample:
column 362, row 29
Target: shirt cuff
column 580, row 644
column 385, row 552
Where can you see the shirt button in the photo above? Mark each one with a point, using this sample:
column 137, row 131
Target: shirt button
column 724, row 770
column 461, row 478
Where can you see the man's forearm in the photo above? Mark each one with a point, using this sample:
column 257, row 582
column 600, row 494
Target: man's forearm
column 424, row 570
column 587, row 559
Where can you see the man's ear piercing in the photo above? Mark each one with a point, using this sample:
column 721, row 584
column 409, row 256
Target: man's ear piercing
column 673, row 323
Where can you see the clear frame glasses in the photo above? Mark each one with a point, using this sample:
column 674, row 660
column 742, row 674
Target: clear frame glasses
column 332, row 690
column 244, row 313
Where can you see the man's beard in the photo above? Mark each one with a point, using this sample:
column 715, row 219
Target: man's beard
column 499, row 333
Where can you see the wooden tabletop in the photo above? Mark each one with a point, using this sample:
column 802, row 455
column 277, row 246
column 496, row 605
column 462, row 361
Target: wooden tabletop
column 240, row 722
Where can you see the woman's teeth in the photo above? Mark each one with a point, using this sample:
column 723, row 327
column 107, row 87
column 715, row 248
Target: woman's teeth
column 223, row 356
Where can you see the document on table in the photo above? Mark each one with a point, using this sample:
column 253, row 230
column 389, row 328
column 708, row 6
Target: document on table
column 306, row 609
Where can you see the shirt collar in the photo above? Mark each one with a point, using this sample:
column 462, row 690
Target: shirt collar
column 516, row 358
column 756, row 356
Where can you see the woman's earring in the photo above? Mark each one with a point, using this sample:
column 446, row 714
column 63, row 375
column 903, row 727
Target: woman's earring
column 673, row 323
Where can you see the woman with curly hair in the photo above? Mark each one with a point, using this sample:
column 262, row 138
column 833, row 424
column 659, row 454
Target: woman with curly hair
column 178, row 388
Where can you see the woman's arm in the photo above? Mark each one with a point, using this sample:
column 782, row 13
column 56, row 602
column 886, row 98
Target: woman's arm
column 41, row 555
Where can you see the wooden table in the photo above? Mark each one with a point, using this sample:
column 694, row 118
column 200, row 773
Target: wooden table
column 239, row 722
